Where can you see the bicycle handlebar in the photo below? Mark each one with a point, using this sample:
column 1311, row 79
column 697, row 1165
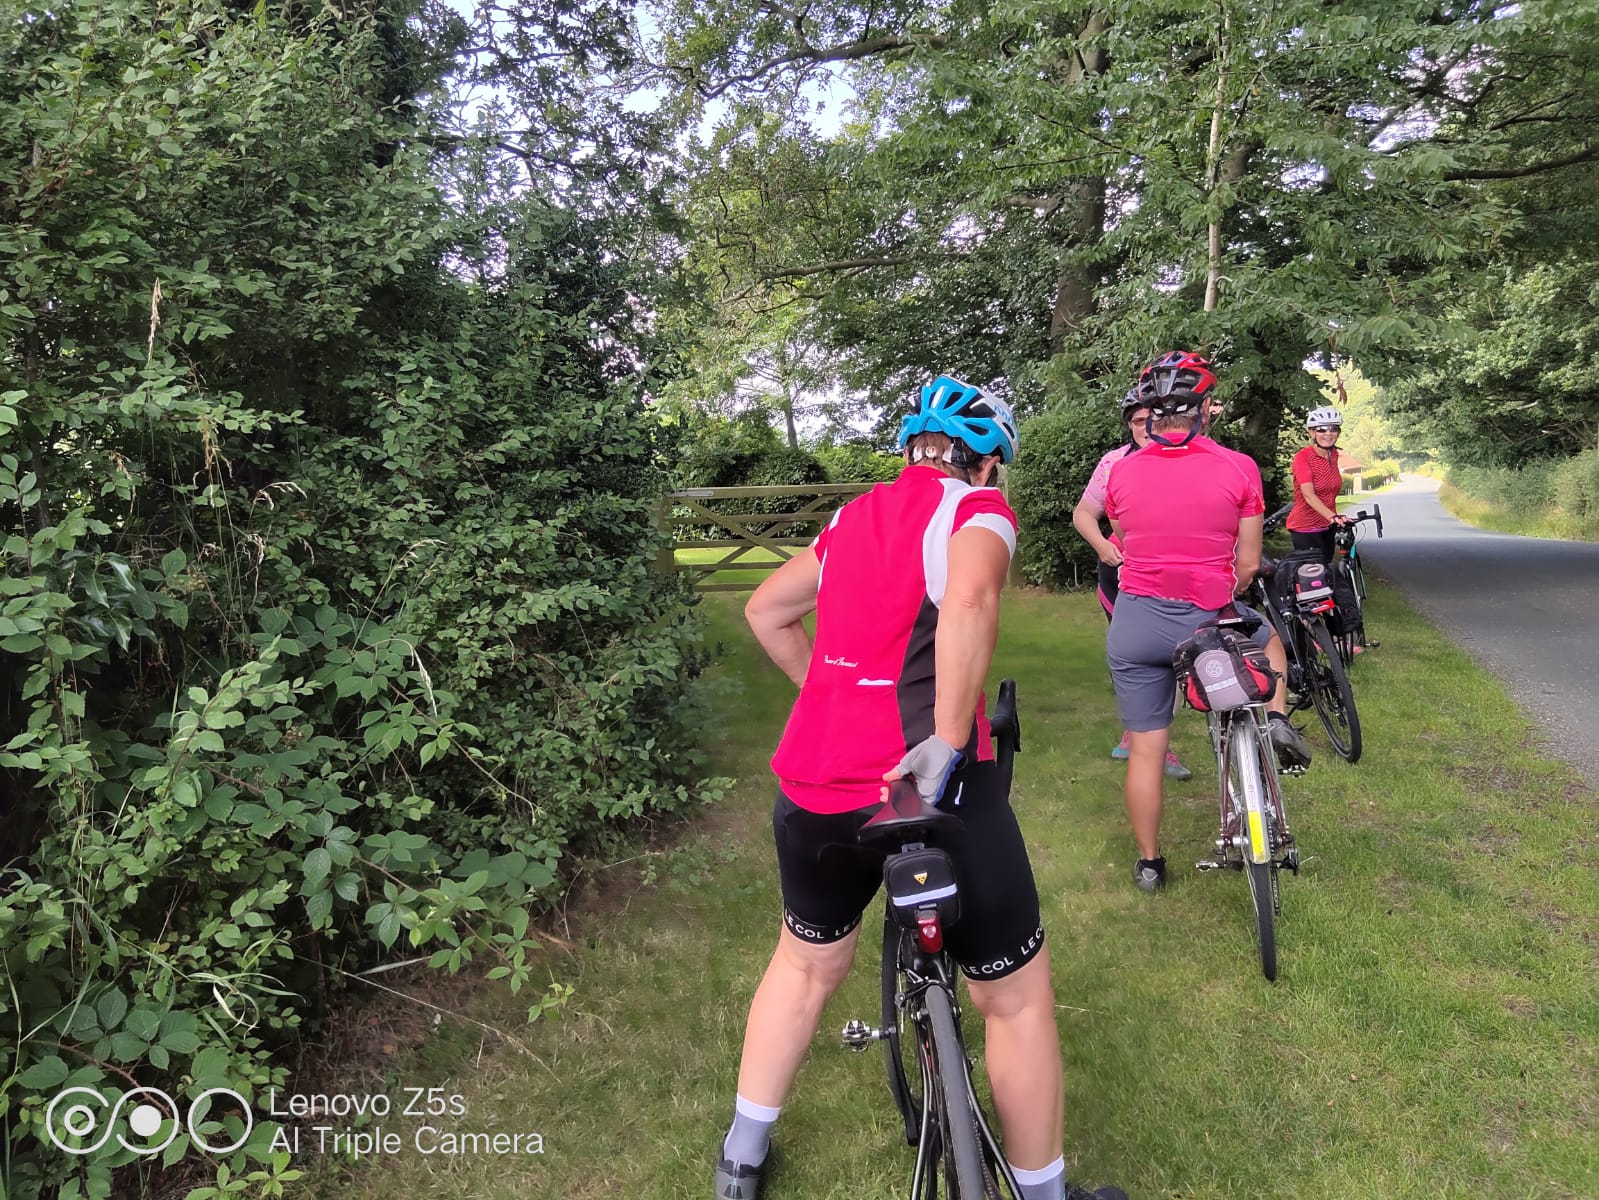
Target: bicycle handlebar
column 1004, row 724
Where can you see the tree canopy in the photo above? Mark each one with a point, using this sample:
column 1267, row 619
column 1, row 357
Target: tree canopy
column 1047, row 195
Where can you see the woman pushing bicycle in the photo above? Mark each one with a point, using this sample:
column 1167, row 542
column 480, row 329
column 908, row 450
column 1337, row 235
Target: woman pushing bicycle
column 1189, row 514
column 905, row 583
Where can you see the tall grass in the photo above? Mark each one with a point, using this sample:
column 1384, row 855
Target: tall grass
column 1434, row 1032
column 1558, row 499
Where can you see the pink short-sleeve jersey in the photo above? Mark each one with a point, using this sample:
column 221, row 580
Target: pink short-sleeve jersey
column 1094, row 493
column 1179, row 509
column 868, row 695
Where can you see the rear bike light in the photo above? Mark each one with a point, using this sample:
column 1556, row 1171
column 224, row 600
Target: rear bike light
column 929, row 934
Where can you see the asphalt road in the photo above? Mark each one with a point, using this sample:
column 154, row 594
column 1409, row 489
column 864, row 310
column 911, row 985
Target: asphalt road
column 1527, row 609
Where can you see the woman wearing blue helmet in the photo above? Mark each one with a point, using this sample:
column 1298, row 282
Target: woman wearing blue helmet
column 905, row 583
column 973, row 425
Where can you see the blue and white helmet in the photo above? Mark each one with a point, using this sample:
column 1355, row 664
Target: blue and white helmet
column 962, row 411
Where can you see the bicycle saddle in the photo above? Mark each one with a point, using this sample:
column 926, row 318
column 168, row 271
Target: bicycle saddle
column 903, row 812
column 1231, row 618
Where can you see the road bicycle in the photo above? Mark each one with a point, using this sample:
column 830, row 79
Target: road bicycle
column 929, row 1073
column 1346, row 549
column 1297, row 601
column 1254, row 836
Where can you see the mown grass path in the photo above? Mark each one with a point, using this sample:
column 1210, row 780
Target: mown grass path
column 1434, row 1032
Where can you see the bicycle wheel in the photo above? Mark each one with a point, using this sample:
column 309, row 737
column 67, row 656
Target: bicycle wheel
column 1357, row 577
column 1253, row 779
column 1331, row 694
column 906, row 1070
column 1261, row 889
column 1351, row 622
column 966, row 1172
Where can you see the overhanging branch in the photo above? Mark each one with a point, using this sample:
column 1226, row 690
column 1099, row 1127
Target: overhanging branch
column 813, row 55
column 1587, row 154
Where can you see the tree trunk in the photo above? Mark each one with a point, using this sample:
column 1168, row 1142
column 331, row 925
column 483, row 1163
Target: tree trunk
column 1084, row 203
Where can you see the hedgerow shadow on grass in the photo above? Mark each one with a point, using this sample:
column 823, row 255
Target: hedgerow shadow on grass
column 1433, row 1032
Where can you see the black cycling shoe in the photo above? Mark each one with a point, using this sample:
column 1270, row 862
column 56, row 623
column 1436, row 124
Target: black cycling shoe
column 1293, row 752
column 1104, row 1193
column 740, row 1181
column 1150, row 875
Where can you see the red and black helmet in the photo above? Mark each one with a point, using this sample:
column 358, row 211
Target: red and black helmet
column 1176, row 382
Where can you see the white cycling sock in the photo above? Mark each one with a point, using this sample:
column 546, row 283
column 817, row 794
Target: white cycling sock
column 1046, row 1183
column 747, row 1141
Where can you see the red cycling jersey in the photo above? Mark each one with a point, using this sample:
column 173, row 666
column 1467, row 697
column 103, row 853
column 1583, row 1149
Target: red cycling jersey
column 1327, row 480
column 868, row 694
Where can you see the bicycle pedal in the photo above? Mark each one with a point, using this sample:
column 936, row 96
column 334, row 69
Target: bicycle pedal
column 857, row 1035
column 1296, row 769
column 1209, row 864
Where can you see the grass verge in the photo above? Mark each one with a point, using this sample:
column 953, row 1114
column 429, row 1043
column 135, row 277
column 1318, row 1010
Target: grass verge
column 1434, row 1032
column 1528, row 522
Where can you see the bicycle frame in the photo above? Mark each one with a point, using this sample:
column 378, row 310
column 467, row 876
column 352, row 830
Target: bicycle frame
column 1249, row 820
column 925, row 971
column 920, row 999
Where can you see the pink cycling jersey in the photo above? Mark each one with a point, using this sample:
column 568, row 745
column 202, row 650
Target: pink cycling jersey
column 868, row 695
column 1094, row 493
column 1179, row 509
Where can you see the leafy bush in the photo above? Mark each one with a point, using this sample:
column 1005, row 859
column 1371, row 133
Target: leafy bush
column 1528, row 488
column 1059, row 450
column 858, row 462
column 327, row 612
column 1575, row 488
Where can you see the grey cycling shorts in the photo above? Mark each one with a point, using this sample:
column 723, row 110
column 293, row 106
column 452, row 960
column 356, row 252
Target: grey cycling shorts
column 1143, row 633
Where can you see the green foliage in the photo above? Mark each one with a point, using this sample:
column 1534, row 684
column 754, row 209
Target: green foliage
column 1521, row 381
column 1561, row 493
column 325, row 492
column 1042, row 196
column 858, row 462
column 1059, row 451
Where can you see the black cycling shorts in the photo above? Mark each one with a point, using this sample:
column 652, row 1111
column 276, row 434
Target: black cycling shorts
column 828, row 878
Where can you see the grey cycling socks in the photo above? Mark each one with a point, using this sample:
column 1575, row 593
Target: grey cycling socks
column 751, row 1135
column 1046, row 1183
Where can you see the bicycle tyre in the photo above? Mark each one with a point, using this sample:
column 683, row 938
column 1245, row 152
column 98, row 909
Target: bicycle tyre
column 1260, row 891
column 1331, row 694
column 1353, row 621
column 1357, row 578
column 967, row 1176
column 896, row 1043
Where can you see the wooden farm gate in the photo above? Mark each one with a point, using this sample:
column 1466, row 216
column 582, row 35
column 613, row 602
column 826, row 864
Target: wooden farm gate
column 754, row 542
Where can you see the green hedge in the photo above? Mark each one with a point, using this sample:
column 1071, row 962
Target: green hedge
column 1566, row 491
column 328, row 622
column 1059, row 450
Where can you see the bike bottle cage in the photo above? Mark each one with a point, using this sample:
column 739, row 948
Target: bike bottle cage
column 919, row 879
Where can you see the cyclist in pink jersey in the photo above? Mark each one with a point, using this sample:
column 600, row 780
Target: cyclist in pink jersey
column 1086, row 517
column 905, row 584
column 1190, row 516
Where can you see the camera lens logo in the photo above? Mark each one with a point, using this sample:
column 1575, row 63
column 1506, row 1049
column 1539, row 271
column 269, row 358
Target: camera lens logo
column 74, row 1117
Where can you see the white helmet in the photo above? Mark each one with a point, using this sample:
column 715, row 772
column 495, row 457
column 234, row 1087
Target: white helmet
column 1324, row 416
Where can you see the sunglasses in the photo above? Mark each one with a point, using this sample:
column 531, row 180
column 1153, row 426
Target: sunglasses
column 1326, row 428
